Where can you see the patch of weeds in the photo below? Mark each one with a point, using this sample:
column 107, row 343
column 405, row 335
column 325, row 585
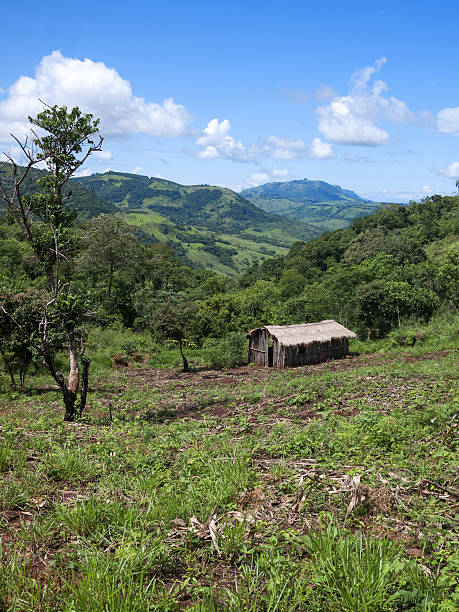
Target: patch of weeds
column 233, row 539
column 13, row 495
column 95, row 517
column 70, row 464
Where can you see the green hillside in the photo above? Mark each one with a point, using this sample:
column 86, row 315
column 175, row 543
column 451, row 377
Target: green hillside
column 208, row 226
column 86, row 202
column 314, row 202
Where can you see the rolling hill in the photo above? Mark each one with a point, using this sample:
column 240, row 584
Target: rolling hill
column 208, row 226
column 325, row 206
column 86, row 202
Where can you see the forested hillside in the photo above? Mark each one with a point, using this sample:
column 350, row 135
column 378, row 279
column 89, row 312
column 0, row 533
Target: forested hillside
column 399, row 264
column 318, row 203
column 207, row 226
column 87, row 203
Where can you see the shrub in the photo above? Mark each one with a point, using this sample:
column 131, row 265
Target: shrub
column 227, row 352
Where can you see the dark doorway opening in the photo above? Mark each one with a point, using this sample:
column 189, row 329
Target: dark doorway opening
column 270, row 353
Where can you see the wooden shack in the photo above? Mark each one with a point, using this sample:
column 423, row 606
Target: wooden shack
column 281, row 346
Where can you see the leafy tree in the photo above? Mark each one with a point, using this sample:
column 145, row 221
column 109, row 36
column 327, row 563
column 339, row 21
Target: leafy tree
column 61, row 140
column 384, row 304
column 15, row 348
column 109, row 248
column 166, row 315
column 370, row 243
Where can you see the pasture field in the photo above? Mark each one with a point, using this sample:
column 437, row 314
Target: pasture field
column 327, row 487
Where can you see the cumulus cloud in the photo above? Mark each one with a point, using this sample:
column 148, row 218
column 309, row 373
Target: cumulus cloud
column 96, row 89
column 321, row 150
column 280, row 173
column 284, row 148
column 257, row 178
column 217, row 143
column 266, row 176
column 103, row 155
column 448, row 120
column 286, row 143
column 351, row 119
column 451, row 171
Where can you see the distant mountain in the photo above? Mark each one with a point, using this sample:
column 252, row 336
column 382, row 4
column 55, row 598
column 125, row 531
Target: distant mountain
column 209, row 226
column 316, row 203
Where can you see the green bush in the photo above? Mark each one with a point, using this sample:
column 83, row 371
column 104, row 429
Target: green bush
column 227, row 352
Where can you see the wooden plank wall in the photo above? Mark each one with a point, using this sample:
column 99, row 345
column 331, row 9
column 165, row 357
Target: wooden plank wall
column 285, row 356
column 258, row 347
column 317, row 352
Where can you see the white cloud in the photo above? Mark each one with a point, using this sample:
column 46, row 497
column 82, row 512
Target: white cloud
column 362, row 76
column 96, row 89
column 284, row 148
column 351, row 119
column 257, row 178
column 452, row 171
column 266, row 176
column 217, row 143
column 103, row 155
column 280, row 172
column 137, row 170
column 448, row 120
column 321, row 150
column 284, row 154
column 286, row 143
column 426, row 189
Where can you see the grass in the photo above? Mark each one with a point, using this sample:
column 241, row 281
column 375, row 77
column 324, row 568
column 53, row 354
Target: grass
column 328, row 487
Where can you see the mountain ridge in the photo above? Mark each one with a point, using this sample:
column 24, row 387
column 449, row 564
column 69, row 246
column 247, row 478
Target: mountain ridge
column 315, row 202
column 207, row 225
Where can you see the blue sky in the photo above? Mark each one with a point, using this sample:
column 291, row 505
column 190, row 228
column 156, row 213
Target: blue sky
column 363, row 94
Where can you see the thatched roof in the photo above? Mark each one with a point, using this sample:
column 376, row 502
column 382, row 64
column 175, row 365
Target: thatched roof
column 306, row 333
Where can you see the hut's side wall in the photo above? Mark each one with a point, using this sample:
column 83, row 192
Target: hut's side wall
column 258, row 347
column 315, row 352
column 278, row 354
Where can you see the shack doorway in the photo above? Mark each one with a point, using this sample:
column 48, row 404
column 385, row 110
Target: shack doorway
column 270, row 352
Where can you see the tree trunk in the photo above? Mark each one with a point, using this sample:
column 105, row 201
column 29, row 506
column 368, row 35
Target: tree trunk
column 184, row 359
column 9, row 368
column 84, row 383
column 10, row 372
column 70, row 387
column 74, row 373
